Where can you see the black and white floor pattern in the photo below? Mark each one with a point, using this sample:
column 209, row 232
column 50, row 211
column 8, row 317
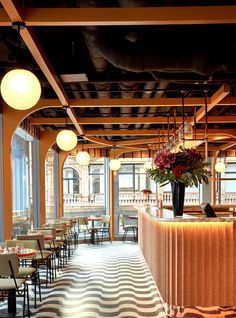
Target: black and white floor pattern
column 108, row 280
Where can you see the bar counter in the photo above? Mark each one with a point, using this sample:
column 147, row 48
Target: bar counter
column 192, row 259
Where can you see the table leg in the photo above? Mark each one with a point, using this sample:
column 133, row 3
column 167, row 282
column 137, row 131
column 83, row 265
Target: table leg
column 12, row 301
column 92, row 236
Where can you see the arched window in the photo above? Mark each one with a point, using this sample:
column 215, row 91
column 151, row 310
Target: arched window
column 70, row 181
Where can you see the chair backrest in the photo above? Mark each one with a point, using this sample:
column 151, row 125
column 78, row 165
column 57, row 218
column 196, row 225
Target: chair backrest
column 82, row 223
column 125, row 220
column 37, row 237
column 9, row 265
column 105, row 221
column 49, row 231
column 26, row 243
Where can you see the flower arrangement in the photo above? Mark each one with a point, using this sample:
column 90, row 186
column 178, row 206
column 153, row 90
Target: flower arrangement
column 186, row 166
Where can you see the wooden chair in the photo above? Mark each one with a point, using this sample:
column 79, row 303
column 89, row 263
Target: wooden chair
column 104, row 228
column 43, row 257
column 27, row 271
column 12, row 286
column 83, row 226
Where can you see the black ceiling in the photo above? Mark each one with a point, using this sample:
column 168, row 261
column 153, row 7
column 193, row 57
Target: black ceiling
column 132, row 61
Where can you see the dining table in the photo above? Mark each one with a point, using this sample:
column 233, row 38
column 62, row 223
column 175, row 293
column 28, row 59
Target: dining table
column 93, row 229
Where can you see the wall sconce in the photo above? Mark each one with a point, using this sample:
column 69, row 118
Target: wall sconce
column 20, row 88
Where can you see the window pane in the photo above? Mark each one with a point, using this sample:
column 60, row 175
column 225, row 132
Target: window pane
column 139, row 169
column 126, row 169
column 126, row 183
column 96, row 169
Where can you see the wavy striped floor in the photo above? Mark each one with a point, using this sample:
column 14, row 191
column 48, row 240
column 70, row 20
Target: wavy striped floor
column 108, row 280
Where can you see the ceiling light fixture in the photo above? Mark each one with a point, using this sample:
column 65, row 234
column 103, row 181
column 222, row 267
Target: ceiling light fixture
column 220, row 166
column 66, row 138
column 20, row 88
column 114, row 164
column 83, row 157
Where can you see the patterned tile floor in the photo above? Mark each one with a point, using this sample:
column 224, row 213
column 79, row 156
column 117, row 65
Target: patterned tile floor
column 109, row 280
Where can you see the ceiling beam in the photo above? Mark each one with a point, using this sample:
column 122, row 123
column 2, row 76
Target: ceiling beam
column 100, row 141
column 126, row 132
column 73, row 117
column 127, row 120
column 128, row 16
column 223, row 91
column 105, row 120
column 219, row 119
column 137, row 102
column 227, row 146
column 227, row 101
column 117, row 132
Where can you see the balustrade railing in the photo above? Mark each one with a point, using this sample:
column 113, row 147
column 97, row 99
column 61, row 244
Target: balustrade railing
column 83, row 200
column 139, row 199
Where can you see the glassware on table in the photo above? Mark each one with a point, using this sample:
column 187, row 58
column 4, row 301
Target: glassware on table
column 19, row 246
column 5, row 247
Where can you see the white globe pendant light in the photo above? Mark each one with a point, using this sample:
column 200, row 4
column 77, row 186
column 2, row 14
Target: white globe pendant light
column 220, row 166
column 83, row 158
column 115, row 164
column 66, row 140
column 20, row 89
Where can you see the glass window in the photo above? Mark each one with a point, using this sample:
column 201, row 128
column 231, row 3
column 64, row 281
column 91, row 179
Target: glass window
column 96, row 178
column 49, row 184
column 70, row 181
column 226, row 193
column 21, row 181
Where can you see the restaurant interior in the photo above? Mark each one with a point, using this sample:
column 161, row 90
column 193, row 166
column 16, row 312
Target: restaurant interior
column 110, row 86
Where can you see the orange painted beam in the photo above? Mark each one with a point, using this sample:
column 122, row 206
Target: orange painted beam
column 128, row 16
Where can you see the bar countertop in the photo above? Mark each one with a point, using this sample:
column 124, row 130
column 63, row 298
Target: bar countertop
column 165, row 215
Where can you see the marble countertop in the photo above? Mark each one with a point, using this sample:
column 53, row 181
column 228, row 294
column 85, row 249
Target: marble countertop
column 164, row 215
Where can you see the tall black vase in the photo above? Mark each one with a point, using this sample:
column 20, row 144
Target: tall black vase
column 178, row 191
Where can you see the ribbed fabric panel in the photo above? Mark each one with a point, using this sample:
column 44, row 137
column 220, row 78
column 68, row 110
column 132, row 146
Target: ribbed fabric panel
column 193, row 263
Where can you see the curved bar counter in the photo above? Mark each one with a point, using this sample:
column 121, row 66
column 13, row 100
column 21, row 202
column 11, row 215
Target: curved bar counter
column 192, row 260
